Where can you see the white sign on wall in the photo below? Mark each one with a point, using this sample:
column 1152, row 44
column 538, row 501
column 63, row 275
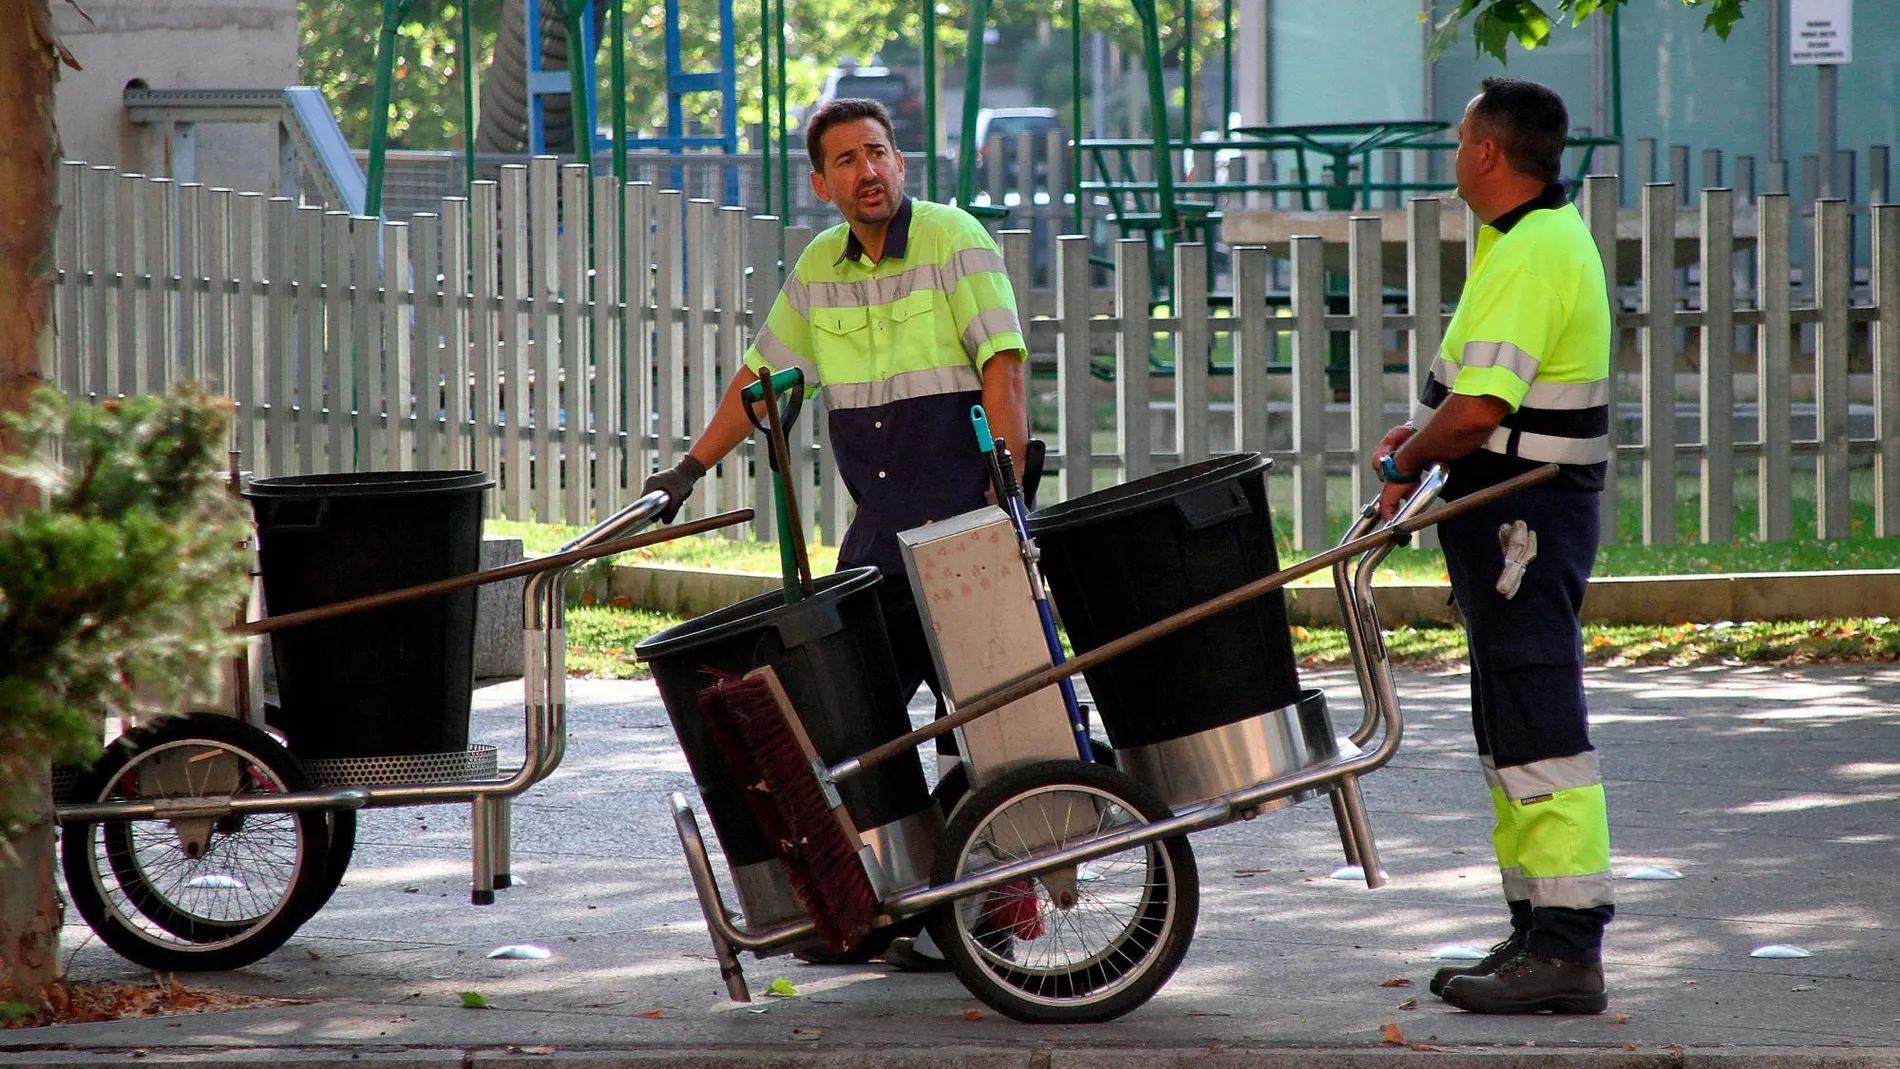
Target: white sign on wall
column 1820, row 32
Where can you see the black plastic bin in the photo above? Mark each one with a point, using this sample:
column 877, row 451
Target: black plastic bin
column 834, row 657
column 389, row 682
column 1120, row 559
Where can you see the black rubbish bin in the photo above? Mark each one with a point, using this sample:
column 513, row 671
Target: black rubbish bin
column 1120, row 559
column 392, row 681
column 833, row 655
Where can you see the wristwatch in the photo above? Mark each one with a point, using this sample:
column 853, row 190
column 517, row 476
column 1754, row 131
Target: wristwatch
column 1389, row 471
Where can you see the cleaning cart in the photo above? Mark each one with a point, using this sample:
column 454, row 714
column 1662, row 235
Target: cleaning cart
column 1059, row 889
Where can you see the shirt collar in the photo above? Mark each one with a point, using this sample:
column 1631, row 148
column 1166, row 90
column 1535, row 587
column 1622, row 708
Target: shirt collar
column 1555, row 195
column 896, row 237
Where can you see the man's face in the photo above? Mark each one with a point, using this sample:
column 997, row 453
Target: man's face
column 863, row 175
column 1476, row 151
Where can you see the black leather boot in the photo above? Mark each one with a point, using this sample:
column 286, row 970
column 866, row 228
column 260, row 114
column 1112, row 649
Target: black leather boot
column 1531, row 983
column 1512, row 946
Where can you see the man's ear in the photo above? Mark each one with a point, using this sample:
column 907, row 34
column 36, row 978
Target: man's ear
column 818, row 187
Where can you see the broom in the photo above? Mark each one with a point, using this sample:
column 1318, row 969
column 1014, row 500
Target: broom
column 820, row 851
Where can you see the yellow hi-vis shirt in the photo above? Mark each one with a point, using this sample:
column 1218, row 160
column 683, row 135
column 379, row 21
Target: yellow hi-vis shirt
column 1533, row 329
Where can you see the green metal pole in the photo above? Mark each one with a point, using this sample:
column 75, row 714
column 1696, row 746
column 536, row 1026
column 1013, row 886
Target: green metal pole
column 393, row 11
column 468, row 93
column 1227, row 69
column 784, row 147
column 972, row 92
column 577, row 84
column 765, row 102
column 1616, row 73
column 1075, row 120
column 1158, row 103
column 930, row 100
column 1187, row 72
column 616, row 25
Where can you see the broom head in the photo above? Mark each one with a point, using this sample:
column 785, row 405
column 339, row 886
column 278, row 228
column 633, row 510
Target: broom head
column 765, row 745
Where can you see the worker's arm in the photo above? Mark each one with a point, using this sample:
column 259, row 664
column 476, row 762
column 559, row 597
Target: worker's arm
column 1006, row 403
column 729, row 425
column 1459, row 426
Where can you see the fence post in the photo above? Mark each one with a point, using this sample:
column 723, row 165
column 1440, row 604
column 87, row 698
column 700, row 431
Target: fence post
column 668, row 293
column 1134, row 337
column 427, row 330
column 1309, row 392
column 192, row 242
column 1718, row 366
column 483, row 327
column 67, row 370
column 729, row 298
column 454, row 322
column 248, row 357
column 568, row 389
column 1190, row 354
column 1834, row 267
column 217, row 300
column 370, row 425
column 1659, row 364
column 309, row 317
column 764, row 283
column 98, row 194
column 701, row 363
column 334, row 399
column 1074, row 419
column 1424, row 290
column 159, row 268
column 1600, row 196
column 1773, row 222
column 1252, row 337
column 1886, row 363
column 1367, row 381
column 399, row 304
column 544, row 213
column 515, row 295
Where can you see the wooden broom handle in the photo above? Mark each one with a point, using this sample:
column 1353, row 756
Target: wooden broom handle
column 492, row 575
column 995, row 699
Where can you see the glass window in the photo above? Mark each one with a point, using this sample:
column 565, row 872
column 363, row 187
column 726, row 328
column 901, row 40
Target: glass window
column 1345, row 60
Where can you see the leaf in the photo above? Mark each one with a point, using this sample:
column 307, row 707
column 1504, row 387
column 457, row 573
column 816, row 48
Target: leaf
column 652, row 1014
column 782, row 988
column 1392, row 1035
column 1396, row 981
column 1409, row 1004
column 533, row 1050
column 972, row 1015
column 473, row 1000
column 808, row 1033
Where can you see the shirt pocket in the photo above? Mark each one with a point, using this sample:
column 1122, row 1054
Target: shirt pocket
column 841, row 334
column 921, row 329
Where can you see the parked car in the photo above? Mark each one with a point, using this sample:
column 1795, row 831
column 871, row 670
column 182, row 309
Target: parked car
column 1008, row 124
column 894, row 89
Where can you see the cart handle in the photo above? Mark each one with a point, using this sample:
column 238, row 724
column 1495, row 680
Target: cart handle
column 1398, row 531
column 492, row 575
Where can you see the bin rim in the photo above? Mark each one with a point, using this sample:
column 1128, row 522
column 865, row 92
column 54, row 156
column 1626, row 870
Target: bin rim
column 709, row 627
column 1150, row 491
column 367, row 484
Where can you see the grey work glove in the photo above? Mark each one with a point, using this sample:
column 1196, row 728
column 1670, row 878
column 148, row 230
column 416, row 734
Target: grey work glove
column 678, row 482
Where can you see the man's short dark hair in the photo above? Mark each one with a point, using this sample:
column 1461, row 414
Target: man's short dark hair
column 1529, row 123
column 842, row 110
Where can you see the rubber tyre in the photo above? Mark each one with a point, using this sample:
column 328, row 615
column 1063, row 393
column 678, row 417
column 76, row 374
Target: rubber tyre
column 1142, row 956
column 112, row 889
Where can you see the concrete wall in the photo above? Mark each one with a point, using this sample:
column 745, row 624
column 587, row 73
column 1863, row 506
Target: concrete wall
column 174, row 44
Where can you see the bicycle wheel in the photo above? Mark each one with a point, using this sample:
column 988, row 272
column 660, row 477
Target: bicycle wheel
column 1078, row 944
column 195, row 893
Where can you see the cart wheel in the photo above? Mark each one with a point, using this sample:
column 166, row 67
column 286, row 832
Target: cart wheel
column 1073, row 945
column 341, row 825
column 182, row 895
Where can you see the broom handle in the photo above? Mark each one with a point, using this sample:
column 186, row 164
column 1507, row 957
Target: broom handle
column 993, row 700
column 492, row 575
column 782, row 460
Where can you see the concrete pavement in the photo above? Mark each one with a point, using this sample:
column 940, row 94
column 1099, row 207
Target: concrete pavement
column 1775, row 792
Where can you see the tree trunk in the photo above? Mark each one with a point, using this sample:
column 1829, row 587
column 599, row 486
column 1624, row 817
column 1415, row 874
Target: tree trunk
column 29, row 155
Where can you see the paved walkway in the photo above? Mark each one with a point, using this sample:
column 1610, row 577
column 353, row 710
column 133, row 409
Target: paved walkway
column 1775, row 792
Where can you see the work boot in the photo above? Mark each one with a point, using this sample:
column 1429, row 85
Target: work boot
column 1532, row 983
column 1512, row 946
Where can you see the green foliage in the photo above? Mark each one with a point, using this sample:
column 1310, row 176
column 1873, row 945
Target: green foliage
column 128, row 575
column 339, row 37
column 1495, row 23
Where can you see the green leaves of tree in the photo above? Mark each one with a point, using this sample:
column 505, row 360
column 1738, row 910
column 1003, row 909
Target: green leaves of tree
column 1495, row 23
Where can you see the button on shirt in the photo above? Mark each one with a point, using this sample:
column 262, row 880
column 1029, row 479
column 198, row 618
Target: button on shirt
column 895, row 350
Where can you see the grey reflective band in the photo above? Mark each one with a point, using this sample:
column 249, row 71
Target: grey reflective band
column 798, row 296
column 1490, row 770
column 1542, row 778
column 1517, row 887
column 780, row 356
column 972, row 261
column 1570, row 892
column 987, row 325
column 1548, row 448
column 871, row 292
column 1567, row 395
column 926, row 383
column 1501, row 354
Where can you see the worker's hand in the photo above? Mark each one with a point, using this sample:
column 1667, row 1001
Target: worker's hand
column 677, row 481
column 1392, row 495
column 1393, row 439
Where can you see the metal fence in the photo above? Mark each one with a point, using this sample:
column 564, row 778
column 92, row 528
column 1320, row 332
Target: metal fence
column 526, row 332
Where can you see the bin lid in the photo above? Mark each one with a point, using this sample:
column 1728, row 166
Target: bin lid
column 367, row 484
column 754, row 614
column 1145, row 493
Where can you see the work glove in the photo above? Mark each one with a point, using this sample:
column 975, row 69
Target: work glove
column 1519, row 544
column 677, row 481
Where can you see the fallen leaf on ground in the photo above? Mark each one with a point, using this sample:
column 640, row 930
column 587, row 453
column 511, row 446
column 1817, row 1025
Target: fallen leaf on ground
column 1396, row 981
column 532, row 1050
column 1629, row 1046
column 808, row 1033
column 1432, row 1047
column 782, row 988
column 473, row 1000
column 1619, row 1018
column 650, row 1014
column 972, row 1015
column 1392, row 1034
column 1409, row 1004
